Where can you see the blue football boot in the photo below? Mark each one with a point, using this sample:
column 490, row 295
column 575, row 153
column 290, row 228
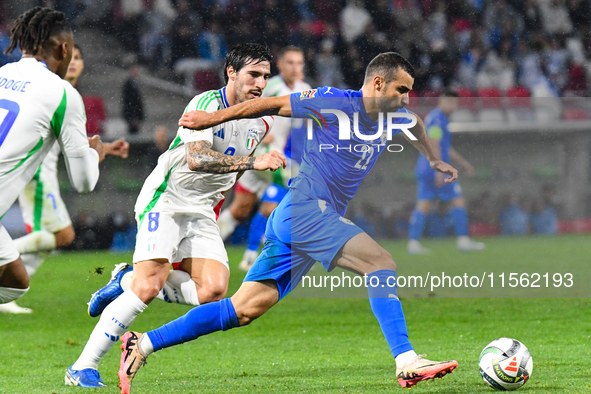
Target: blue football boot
column 112, row 290
column 83, row 378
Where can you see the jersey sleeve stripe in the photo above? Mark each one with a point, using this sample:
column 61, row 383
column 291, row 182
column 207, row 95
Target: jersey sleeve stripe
column 201, row 99
column 31, row 153
column 58, row 117
column 212, row 97
column 175, row 143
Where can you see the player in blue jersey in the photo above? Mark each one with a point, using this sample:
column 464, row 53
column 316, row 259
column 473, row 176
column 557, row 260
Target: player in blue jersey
column 308, row 225
column 430, row 183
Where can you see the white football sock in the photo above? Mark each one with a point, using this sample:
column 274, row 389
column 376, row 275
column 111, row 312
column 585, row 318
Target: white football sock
column 227, row 224
column 32, row 261
column 8, row 294
column 126, row 280
column 405, row 358
column 114, row 322
column 179, row 288
column 146, row 347
column 36, row 241
column 250, row 256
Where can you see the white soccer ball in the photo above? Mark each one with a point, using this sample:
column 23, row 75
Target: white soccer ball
column 505, row 364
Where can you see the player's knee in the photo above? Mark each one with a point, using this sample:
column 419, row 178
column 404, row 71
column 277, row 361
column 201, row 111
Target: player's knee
column 147, row 290
column 212, row 292
column 384, row 261
column 65, row 237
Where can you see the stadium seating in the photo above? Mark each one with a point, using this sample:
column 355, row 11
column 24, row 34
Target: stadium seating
column 96, row 114
column 574, row 114
column 519, row 105
column 491, row 104
column 467, row 106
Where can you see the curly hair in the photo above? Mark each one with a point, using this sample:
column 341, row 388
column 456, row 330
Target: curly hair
column 35, row 27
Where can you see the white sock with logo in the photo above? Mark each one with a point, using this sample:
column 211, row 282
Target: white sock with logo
column 114, row 322
column 227, row 224
column 36, row 241
column 179, row 288
column 405, row 358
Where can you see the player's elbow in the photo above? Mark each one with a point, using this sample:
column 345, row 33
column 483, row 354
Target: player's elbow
column 194, row 164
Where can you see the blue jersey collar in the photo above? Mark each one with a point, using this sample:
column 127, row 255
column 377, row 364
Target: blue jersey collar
column 224, row 99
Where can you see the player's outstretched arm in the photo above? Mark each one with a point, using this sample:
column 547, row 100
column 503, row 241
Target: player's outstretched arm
column 200, row 157
column 423, row 144
column 198, row 120
column 117, row 148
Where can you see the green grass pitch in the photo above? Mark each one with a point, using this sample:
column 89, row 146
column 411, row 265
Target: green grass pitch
column 314, row 345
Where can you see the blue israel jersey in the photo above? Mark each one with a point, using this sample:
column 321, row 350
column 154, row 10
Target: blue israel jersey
column 331, row 169
column 436, row 123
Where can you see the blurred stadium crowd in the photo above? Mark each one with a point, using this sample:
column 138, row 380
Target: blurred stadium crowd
column 504, row 214
column 542, row 45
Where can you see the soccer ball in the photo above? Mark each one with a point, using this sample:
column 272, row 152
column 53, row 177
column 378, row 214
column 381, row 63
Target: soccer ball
column 505, row 364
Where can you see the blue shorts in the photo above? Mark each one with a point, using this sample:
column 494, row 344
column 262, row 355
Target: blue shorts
column 274, row 193
column 300, row 231
column 426, row 190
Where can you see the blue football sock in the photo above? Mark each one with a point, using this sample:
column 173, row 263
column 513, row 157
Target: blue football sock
column 256, row 231
column 460, row 220
column 418, row 220
column 199, row 321
column 383, row 298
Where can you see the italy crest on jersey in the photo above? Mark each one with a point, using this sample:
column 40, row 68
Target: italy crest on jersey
column 251, row 139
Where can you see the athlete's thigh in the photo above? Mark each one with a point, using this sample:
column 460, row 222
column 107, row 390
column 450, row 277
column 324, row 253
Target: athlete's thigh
column 317, row 230
column 426, row 189
column 8, row 252
column 208, row 273
column 449, row 192
column 201, row 240
column 362, row 254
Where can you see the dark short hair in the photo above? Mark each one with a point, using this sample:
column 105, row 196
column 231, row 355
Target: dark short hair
column 450, row 92
column 289, row 48
column 387, row 65
column 79, row 50
column 244, row 54
column 35, row 27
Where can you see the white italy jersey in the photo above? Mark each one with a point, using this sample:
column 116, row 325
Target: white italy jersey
column 173, row 187
column 276, row 87
column 36, row 108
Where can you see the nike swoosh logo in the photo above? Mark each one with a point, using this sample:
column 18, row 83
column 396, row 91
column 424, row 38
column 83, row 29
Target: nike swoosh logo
column 130, row 365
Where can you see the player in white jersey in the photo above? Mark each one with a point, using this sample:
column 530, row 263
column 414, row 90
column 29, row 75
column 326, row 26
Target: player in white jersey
column 44, row 212
column 253, row 185
column 291, row 70
column 37, row 107
column 176, row 213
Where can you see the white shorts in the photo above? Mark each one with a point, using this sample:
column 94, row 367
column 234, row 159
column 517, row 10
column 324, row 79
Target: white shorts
column 177, row 236
column 8, row 252
column 252, row 182
column 43, row 208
